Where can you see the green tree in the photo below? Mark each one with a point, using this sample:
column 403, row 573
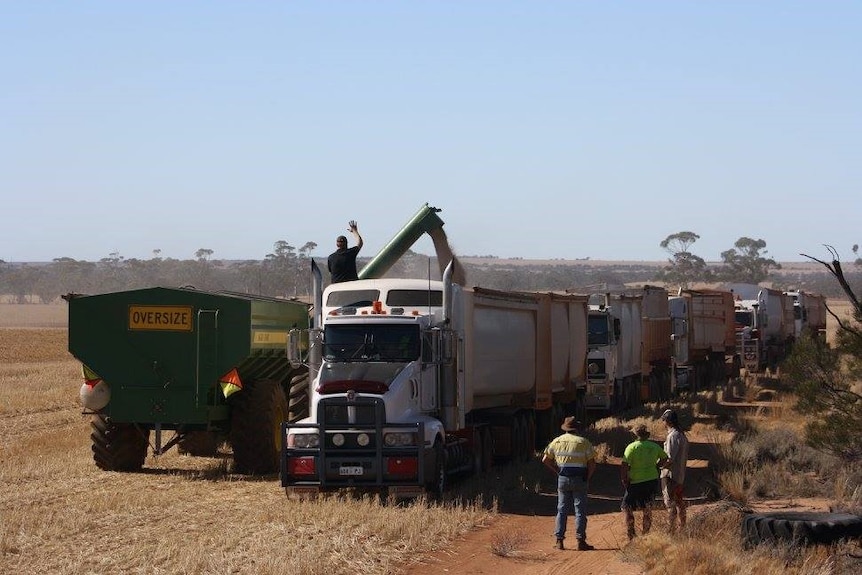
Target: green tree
column 281, row 270
column 684, row 267
column 202, row 269
column 747, row 262
column 21, row 282
column 824, row 379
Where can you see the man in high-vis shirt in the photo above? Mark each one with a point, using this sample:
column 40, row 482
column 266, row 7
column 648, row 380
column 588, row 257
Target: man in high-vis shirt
column 639, row 472
column 573, row 459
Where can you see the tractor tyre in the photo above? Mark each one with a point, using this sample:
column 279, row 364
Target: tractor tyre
column 257, row 413
column 118, row 446
column 199, row 444
column 799, row 527
column 298, row 401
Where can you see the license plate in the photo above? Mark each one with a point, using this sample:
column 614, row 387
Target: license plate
column 350, row 470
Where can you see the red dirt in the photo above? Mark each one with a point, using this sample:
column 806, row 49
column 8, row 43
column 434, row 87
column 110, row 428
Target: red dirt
column 527, row 527
column 537, row 555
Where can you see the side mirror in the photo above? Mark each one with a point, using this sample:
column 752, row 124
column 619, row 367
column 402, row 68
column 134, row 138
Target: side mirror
column 294, row 348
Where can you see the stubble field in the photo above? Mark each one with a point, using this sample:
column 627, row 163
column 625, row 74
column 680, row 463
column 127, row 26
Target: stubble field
column 60, row 514
column 183, row 514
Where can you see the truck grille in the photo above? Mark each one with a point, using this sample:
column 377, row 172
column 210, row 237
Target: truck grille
column 345, row 415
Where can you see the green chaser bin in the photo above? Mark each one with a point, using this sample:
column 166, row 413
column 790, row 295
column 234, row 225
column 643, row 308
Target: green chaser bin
column 162, row 351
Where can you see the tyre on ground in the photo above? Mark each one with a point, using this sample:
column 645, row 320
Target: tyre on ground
column 802, row 527
column 257, row 413
column 118, row 446
column 199, row 444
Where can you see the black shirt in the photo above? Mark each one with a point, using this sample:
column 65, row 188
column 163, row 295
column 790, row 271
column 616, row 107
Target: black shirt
column 342, row 264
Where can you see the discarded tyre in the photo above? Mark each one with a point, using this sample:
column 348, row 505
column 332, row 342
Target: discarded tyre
column 801, row 527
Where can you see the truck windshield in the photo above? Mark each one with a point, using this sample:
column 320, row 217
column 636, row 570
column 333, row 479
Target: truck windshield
column 744, row 318
column 598, row 332
column 371, row 343
column 352, row 298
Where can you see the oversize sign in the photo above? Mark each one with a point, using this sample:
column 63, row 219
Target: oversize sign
column 160, row 317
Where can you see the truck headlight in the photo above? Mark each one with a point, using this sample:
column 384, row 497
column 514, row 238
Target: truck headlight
column 399, row 439
column 362, row 439
column 303, row 440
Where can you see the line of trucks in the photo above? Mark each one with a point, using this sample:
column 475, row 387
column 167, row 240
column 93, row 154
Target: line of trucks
column 399, row 385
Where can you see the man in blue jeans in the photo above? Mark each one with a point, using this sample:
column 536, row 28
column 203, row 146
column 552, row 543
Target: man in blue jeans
column 573, row 459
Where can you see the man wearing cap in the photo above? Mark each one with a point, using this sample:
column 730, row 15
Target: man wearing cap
column 639, row 474
column 573, row 459
column 673, row 474
column 342, row 262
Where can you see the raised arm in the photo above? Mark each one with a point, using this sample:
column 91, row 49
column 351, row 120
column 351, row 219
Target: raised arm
column 353, row 227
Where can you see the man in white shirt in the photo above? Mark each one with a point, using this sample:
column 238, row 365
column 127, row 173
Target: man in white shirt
column 673, row 475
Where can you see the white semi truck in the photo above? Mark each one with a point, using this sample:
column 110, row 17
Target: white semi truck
column 809, row 312
column 629, row 349
column 765, row 329
column 413, row 381
column 704, row 339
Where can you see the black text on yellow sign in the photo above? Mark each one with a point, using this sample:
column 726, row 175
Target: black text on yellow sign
column 160, row 317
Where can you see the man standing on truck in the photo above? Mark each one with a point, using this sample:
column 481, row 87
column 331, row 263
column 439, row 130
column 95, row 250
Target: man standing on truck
column 342, row 262
column 573, row 459
column 639, row 475
column 672, row 476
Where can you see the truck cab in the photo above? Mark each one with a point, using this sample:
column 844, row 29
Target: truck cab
column 614, row 351
column 375, row 394
column 747, row 322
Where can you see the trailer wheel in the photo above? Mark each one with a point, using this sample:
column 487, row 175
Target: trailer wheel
column 298, row 398
column 257, row 413
column 478, row 451
column 487, row 449
column 199, row 444
column 799, row 527
column 118, row 446
column 531, row 436
column 519, row 439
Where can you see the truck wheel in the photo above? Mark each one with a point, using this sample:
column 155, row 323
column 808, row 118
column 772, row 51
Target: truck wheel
column 440, row 479
column 799, row 527
column 298, row 400
column 199, row 444
column 257, row 413
column 118, row 446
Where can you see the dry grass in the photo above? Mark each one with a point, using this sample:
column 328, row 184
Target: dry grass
column 33, row 315
column 711, row 545
column 37, row 375
column 60, row 514
column 658, row 551
column 509, row 543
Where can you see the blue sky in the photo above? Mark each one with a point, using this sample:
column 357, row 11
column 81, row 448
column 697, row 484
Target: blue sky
column 540, row 129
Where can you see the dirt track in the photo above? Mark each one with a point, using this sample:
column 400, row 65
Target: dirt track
column 527, row 525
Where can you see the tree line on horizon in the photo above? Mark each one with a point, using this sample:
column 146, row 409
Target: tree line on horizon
column 285, row 272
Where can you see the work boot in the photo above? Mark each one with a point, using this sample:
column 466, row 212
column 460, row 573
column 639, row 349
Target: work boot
column 584, row 546
column 559, row 544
